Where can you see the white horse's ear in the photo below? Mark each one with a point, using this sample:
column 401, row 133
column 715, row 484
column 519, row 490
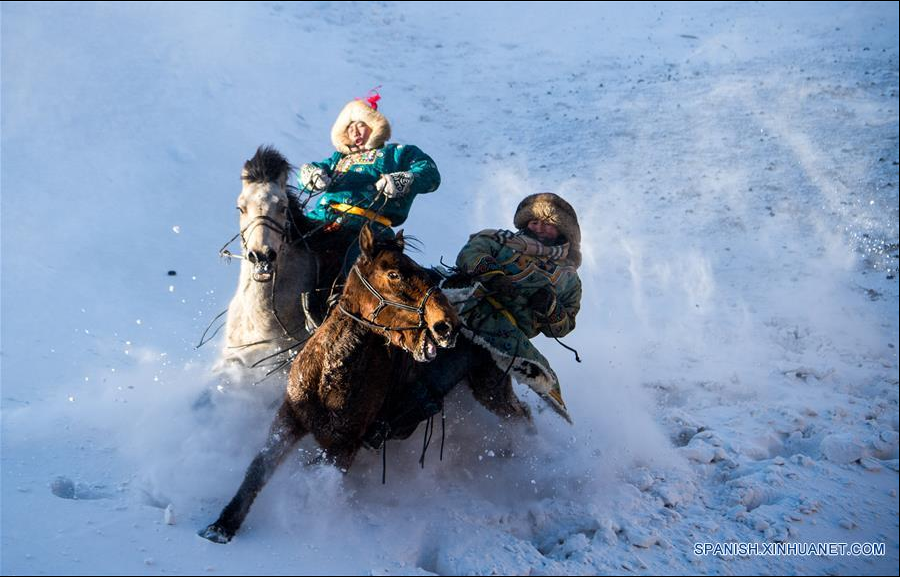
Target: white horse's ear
column 367, row 241
column 401, row 242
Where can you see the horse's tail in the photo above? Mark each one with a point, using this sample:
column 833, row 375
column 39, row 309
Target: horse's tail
column 283, row 435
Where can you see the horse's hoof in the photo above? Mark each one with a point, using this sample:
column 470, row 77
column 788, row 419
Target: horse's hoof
column 216, row 534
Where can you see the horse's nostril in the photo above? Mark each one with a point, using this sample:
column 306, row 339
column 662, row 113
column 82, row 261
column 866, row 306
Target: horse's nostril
column 251, row 256
column 442, row 328
column 270, row 255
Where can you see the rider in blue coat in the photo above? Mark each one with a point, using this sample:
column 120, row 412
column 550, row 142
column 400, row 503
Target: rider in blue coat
column 366, row 180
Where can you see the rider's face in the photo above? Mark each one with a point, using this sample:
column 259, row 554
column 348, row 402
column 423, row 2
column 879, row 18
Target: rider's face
column 544, row 231
column 358, row 132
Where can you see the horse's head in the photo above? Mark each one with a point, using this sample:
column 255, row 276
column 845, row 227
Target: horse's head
column 393, row 294
column 264, row 207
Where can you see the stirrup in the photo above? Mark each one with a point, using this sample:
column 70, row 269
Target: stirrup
column 332, row 301
column 376, row 435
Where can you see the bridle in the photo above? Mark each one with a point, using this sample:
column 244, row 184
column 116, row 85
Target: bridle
column 288, row 237
column 286, row 232
column 383, row 303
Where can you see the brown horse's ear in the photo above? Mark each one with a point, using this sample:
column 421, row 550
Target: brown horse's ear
column 401, row 242
column 367, row 241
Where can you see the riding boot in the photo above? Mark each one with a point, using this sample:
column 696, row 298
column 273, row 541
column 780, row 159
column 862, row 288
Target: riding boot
column 317, row 303
column 314, row 309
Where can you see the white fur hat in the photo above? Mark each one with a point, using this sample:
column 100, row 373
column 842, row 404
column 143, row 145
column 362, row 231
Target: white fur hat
column 551, row 208
column 365, row 111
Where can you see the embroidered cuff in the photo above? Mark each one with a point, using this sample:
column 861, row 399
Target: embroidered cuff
column 486, row 265
column 395, row 184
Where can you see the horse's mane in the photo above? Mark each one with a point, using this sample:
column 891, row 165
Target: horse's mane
column 267, row 165
column 392, row 244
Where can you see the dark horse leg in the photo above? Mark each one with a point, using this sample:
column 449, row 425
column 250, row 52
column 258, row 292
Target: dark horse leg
column 409, row 405
column 492, row 387
column 283, row 435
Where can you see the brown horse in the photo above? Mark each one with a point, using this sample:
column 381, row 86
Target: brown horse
column 339, row 381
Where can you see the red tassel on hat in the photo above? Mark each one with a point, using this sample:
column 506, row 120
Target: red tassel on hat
column 373, row 98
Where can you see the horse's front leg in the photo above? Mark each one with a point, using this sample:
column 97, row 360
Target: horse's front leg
column 283, row 435
column 493, row 389
column 342, row 445
column 344, row 457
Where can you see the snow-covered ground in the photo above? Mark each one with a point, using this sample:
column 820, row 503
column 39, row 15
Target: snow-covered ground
column 735, row 170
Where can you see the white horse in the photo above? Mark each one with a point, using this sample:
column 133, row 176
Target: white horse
column 265, row 316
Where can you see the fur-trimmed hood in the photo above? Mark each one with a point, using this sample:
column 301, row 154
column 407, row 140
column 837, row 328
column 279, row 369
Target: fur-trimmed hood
column 354, row 111
column 551, row 208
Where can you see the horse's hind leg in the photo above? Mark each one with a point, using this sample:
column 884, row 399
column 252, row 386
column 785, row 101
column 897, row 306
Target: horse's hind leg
column 283, row 435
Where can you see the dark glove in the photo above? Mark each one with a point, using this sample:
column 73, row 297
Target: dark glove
column 541, row 301
column 457, row 280
column 501, row 286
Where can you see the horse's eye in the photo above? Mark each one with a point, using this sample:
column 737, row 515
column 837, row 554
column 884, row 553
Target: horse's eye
column 393, row 275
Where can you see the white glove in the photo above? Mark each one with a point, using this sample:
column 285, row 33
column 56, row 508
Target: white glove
column 314, row 178
column 395, row 184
